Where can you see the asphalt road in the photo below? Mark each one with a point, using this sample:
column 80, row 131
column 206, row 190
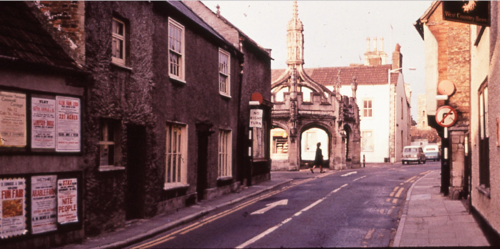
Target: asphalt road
column 350, row 208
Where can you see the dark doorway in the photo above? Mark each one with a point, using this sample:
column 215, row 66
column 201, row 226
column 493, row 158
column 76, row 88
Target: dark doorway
column 136, row 165
column 203, row 132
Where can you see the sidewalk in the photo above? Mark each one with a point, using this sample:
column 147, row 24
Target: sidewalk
column 429, row 219
column 142, row 229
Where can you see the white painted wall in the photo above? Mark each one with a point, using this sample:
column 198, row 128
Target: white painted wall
column 431, row 70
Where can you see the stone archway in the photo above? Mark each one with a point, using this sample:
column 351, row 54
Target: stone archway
column 310, row 136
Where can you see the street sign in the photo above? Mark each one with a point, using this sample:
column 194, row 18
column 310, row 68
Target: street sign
column 446, row 116
column 256, row 118
column 470, row 12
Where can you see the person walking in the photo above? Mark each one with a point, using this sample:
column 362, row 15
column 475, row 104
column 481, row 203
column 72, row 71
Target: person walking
column 318, row 159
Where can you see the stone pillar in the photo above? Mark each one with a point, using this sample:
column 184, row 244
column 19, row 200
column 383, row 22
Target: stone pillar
column 457, row 161
column 293, row 153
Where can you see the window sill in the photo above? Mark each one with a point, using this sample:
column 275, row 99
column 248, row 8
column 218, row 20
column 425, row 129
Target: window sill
column 260, row 160
column 121, row 66
column 110, row 168
column 224, row 178
column 483, row 190
column 178, row 80
column 225, row 95
column 172, row 186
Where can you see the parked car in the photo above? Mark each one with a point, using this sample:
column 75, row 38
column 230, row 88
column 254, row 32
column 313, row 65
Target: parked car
column 413, row 154
column 432, row 153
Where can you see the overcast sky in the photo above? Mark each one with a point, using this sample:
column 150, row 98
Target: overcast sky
column 335, row 32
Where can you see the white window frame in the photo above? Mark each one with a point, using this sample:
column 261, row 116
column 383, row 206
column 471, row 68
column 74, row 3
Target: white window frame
column 114, row 144
column 225, row 72
column 225, row 169
column 176, row 157
column 181, row 53
column 367, row 108
column 116, row 60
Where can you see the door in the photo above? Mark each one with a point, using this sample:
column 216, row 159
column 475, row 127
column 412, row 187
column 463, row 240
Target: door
column 136, row 165
column 203, row 132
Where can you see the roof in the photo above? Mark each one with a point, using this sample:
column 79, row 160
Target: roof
column 423, row 19
column 181, row 7
column 23, row 39
column 365, row 75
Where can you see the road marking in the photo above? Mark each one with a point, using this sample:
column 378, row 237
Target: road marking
column 393, row 192
column 381, row 211
column 388, row 200
column 272, row 229
column 370, row 233
column 395, row 201
column 423, row 173
column 270, row 206
column 358, row 178
column 399, row 192
column 410, row 179
column 350, row 173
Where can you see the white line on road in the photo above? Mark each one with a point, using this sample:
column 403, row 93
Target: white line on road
column 358, row 178
column 350, row 173
column 272, row 229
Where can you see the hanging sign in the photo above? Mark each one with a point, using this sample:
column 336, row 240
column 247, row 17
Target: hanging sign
column 68, row 124
column 43, row 123
column 43, row 204
column 256, row 118
column 12, row 119
column 12, row 205
column 67, row 201
column 446, row 116
column 470, row 12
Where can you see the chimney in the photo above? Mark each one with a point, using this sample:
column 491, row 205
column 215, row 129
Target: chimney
column 397, row 58
column 367, row 44
column 375, row 44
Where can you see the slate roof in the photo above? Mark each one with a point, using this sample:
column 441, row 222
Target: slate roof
column 23, row 39
column 365, row 75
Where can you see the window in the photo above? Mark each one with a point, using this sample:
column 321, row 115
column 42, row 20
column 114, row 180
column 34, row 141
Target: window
column 175, row 50
column 367, row 141
column 224, row 69
column 176, row 156
column 109, row 143
column 225, row 143
column 484, row 164
column 118, row 46
column 367, row 108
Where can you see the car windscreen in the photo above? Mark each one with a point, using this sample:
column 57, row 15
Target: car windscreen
column 409, row 150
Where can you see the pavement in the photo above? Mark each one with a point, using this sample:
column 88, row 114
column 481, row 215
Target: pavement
column 428, row 218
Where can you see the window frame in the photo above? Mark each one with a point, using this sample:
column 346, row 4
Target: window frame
column 182, row 54
column 225, row 163
column 116, row 125
column 181, row 149
column 227, row 92
column 123, row 38
column 484, row 147
column 367, row 108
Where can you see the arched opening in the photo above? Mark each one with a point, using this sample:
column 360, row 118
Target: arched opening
column 280, row 94
column 306, row 93
column 309, row 139
column 347, row 142
column 279, row 144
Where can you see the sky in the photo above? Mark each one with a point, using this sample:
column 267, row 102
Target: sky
column 335, row 32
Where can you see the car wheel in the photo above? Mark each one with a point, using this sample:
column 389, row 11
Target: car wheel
column 424, row 161
column 403, row 162
column 418, row 161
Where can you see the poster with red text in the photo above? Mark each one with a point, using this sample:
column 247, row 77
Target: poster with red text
column 68, row 124
column 67, row 201
column 43, row 204
column 43, row 123
column 12, row 119
column 12, row 205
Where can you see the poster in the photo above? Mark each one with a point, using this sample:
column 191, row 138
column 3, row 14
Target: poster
column 67, row 201
column 256, row 118
column 43, row 127
column 43, row 204
column 68, row 124
column 12, row 204
column 12, row 119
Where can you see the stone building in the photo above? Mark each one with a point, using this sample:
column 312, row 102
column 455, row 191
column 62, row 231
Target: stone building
column 447, row 56
column 167, row 108
column 304, row 107
column 384, row 107
column 42, row 104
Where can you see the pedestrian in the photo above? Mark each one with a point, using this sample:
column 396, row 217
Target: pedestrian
column 318, row 159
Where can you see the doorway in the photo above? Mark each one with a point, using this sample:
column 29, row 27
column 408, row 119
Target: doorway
column 136, row 165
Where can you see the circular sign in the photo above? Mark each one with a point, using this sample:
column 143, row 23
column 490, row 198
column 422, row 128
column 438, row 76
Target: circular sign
column 257, row 97
column 446, row 87
column 446, row 116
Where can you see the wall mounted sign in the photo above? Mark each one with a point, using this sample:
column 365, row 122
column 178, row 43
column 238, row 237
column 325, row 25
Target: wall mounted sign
column 12, row 205
column 446, row 116
column 43, row 123
column 67, row 206
column 446, row 87
column 256, row 118
column 12, row 119
column 43, row 204
column 471, row 12
column 68, row 124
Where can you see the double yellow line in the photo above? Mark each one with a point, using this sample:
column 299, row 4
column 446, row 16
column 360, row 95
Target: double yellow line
column 212, row 218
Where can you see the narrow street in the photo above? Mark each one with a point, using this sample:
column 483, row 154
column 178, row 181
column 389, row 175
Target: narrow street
column 350, row 208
